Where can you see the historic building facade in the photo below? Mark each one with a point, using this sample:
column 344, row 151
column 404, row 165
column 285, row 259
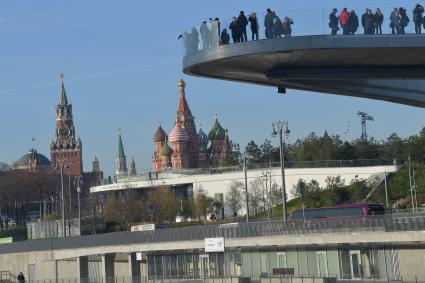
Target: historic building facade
column 189, row 148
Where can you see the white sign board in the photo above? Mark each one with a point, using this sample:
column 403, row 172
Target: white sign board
column 214, row 245
column 139, row 256
column 144, row 227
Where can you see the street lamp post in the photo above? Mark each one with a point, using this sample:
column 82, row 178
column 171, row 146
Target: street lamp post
column 280, row 128
column 245, row 169
column 78, row 181
column 62, row 163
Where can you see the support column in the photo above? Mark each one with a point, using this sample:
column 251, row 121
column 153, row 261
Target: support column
column 108, row 272
column 83, row 269
column 133, row 268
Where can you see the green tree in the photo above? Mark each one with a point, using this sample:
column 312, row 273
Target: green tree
column 253, row 153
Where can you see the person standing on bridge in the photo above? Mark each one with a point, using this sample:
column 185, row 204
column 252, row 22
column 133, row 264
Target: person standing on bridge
column 277, row 28
column 417, row 18
column 254, row 26
column 333, row 22
column 268, row 23
column 344, row 21
column 242, row 23
column 353, row 22
column 286, row 26
column 395, row 21
column 234, row 27
column 367, row 22
column 378, row 19
column 404, row 20
column 224, row 38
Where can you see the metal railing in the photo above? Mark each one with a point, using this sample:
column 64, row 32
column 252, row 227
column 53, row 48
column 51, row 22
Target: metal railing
column 236, row 279
column 306, row 22
column 384, row 223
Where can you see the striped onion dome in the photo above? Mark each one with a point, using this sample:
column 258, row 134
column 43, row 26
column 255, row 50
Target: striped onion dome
column 159, row 135
column 178, row 134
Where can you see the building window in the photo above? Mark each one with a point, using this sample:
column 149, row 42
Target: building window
column 281, row 259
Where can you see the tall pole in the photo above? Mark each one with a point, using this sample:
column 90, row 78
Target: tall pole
column 245, row 169
column 386, row 190
column 62, row 201
column 414, row 187
column 411, row 186
column 70, row 201
column 282, row 171
column 78, row 180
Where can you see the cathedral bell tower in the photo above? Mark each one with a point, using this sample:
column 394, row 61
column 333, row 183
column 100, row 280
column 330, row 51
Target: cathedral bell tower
column 65, row 145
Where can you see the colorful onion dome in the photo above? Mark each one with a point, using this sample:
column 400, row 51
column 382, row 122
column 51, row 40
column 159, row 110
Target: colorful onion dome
column 178, row 134
column 166, row 150
column 159, row 135
column 217, row 132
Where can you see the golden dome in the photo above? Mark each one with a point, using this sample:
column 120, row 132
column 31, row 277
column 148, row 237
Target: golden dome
column 181, row 83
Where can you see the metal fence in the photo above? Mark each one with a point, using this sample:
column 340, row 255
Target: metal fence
column 382, row 223
column 282, row 279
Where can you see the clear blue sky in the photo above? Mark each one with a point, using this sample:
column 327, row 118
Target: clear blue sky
column 122, row 61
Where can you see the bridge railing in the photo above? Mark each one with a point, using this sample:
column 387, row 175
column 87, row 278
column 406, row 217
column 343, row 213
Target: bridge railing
column 298, row 278
column 306, row 22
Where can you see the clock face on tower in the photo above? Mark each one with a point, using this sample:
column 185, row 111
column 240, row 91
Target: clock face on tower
column 64, row 131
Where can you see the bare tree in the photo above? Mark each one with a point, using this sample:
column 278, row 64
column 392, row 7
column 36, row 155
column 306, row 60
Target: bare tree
column 234, row 197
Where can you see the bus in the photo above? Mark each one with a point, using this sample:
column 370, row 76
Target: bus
column 344, row 210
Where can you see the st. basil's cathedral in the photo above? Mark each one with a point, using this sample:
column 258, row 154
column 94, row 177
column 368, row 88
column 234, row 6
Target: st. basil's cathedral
column 190, row 149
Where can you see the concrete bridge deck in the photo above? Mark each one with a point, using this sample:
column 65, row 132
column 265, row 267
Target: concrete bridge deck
column 384, row 67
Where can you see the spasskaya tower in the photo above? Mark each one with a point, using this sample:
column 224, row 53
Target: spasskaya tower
column 65, row 145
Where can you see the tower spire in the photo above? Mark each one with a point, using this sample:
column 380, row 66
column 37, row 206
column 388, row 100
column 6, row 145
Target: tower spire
column 120, row 146
column 62, row 98
column 120, row 160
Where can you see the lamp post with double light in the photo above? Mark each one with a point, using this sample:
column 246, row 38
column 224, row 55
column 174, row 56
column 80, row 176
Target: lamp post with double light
column 78, row 182
column 280, row 128
column 62, row 163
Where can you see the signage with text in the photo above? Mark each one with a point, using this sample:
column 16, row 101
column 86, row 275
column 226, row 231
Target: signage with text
column 214, row 245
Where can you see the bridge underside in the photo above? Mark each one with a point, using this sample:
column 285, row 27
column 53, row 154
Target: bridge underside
column 390, row 68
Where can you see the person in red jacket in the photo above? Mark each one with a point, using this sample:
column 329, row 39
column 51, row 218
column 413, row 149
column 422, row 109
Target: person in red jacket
column 344, row 21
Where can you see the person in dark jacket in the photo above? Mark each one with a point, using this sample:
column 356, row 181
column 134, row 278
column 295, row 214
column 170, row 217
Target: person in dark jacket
column 234, row 27
column 224, row 37
column 21, row 278
column 286, row 26
column 333, row 22
column 353, row 21
column 254, row 25
column 367, row 22
column 418, row 18
column 404, row 20
column 268, row 23
column 378, row 19
column 242, row 22
column 277, row 28
column 395, row 21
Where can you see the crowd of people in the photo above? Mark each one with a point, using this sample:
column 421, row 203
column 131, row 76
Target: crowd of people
column 212, row 35
column 372, row 22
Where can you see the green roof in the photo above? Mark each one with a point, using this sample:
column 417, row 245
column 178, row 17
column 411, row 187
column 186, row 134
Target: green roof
column 217, row 132
column 120, row 147
column 166, row 150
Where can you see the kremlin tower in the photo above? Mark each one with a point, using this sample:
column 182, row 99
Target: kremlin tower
column 120, row 160
column 66, row 146
column 189, row 148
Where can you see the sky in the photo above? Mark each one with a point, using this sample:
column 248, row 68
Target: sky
column 122, row 61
